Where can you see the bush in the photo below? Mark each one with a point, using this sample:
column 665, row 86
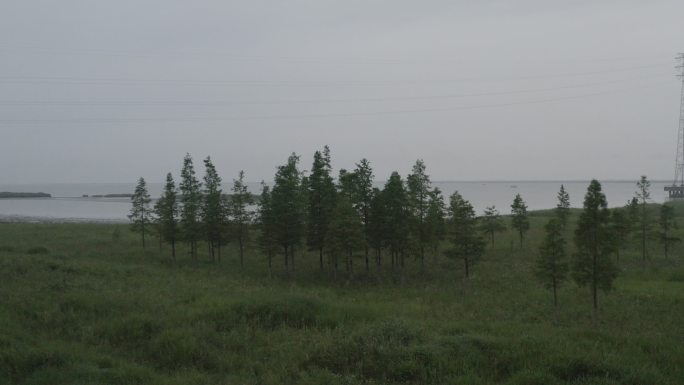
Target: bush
column 37, row 250
column 7, row 249
column 132, row 331
column 177, row 349
column 268, row 313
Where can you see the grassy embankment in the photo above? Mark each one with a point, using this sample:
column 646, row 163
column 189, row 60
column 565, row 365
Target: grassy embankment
column 80, row 307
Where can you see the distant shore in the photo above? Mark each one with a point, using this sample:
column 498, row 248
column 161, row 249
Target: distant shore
column 5, row 218
column 8, row 194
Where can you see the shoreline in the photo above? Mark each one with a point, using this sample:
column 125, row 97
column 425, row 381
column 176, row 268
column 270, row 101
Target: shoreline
column 9, row 218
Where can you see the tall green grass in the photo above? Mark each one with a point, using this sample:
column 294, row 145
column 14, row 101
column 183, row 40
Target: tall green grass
column 90, row 308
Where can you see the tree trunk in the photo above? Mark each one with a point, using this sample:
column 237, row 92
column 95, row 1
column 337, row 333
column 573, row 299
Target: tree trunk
column 173, row 249
column 367, row 264
column 320, row 257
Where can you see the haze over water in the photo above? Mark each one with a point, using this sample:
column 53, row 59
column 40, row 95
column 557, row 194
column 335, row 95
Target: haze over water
column 68, row 203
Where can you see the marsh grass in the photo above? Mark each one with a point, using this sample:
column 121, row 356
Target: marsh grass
column 98, row 310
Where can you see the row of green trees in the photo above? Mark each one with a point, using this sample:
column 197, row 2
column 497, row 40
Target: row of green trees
column 338, row 218
column 195, row 211
column 342, row 218
column 599, row 234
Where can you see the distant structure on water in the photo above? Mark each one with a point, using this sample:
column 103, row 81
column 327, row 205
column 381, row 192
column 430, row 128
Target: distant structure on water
column 677, row 188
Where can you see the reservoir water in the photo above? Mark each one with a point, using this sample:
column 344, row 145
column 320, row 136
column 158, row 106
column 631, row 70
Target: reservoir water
column 67, row 200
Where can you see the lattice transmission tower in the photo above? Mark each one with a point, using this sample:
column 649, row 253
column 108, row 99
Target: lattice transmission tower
column 677, row 188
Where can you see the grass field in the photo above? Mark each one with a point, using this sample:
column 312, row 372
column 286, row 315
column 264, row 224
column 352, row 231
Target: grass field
column 81, row 307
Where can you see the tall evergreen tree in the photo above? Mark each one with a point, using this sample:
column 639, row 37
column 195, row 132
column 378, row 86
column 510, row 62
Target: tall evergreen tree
column 621, row 228
column 377, row 225
column 492, row 223
column 643, row 195
column 241, row 216
column 466, row 242
column 321, row 201
column 288, row 204
column 191, row 199
column 268, row 243
column 520, row 221
column 551, row 268
column 395, row 200
column 419, row 186
column 563, row 206
column 592, row 265
column 667, row 225
column 167, row 212
column 363, row 200
column 140, row 214
column 212, row 209
column 435, row 221
column 346, row 184
column 345, row 234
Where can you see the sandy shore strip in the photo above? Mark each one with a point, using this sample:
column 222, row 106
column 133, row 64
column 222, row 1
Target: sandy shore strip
column 6, row 218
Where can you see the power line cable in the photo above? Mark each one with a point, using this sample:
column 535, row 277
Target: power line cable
column 143, row 103
column 298, row 83
column 323, row 115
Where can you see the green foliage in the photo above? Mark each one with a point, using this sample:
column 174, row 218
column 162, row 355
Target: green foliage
column 212, row 209
column 240, row 213
column 551, row 268
column 418, row 189
column 191, row 201
column 377, row 221
column 435, row 221
column 321, row 201
column 621, row 228
column 395, row 226
column 520, row 222
column 594, row 242
column 140, row 215
column 363, row 199
column 563, row 206
column 466, row 242
column 345, row 234
column 667, row 224
column 167, row 210
column 492, row 223
column 104, row 315
column 287, row 205
column 643, row 196
column 268, row 244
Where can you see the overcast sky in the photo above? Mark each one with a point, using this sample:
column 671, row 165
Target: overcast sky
column 106, row 91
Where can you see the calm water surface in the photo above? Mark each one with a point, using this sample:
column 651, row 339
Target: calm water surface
column 68, row 203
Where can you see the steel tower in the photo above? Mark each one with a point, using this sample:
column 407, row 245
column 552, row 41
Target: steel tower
column 677, row 188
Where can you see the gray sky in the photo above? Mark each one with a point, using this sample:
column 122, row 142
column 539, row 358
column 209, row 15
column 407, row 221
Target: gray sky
column 106, row 91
